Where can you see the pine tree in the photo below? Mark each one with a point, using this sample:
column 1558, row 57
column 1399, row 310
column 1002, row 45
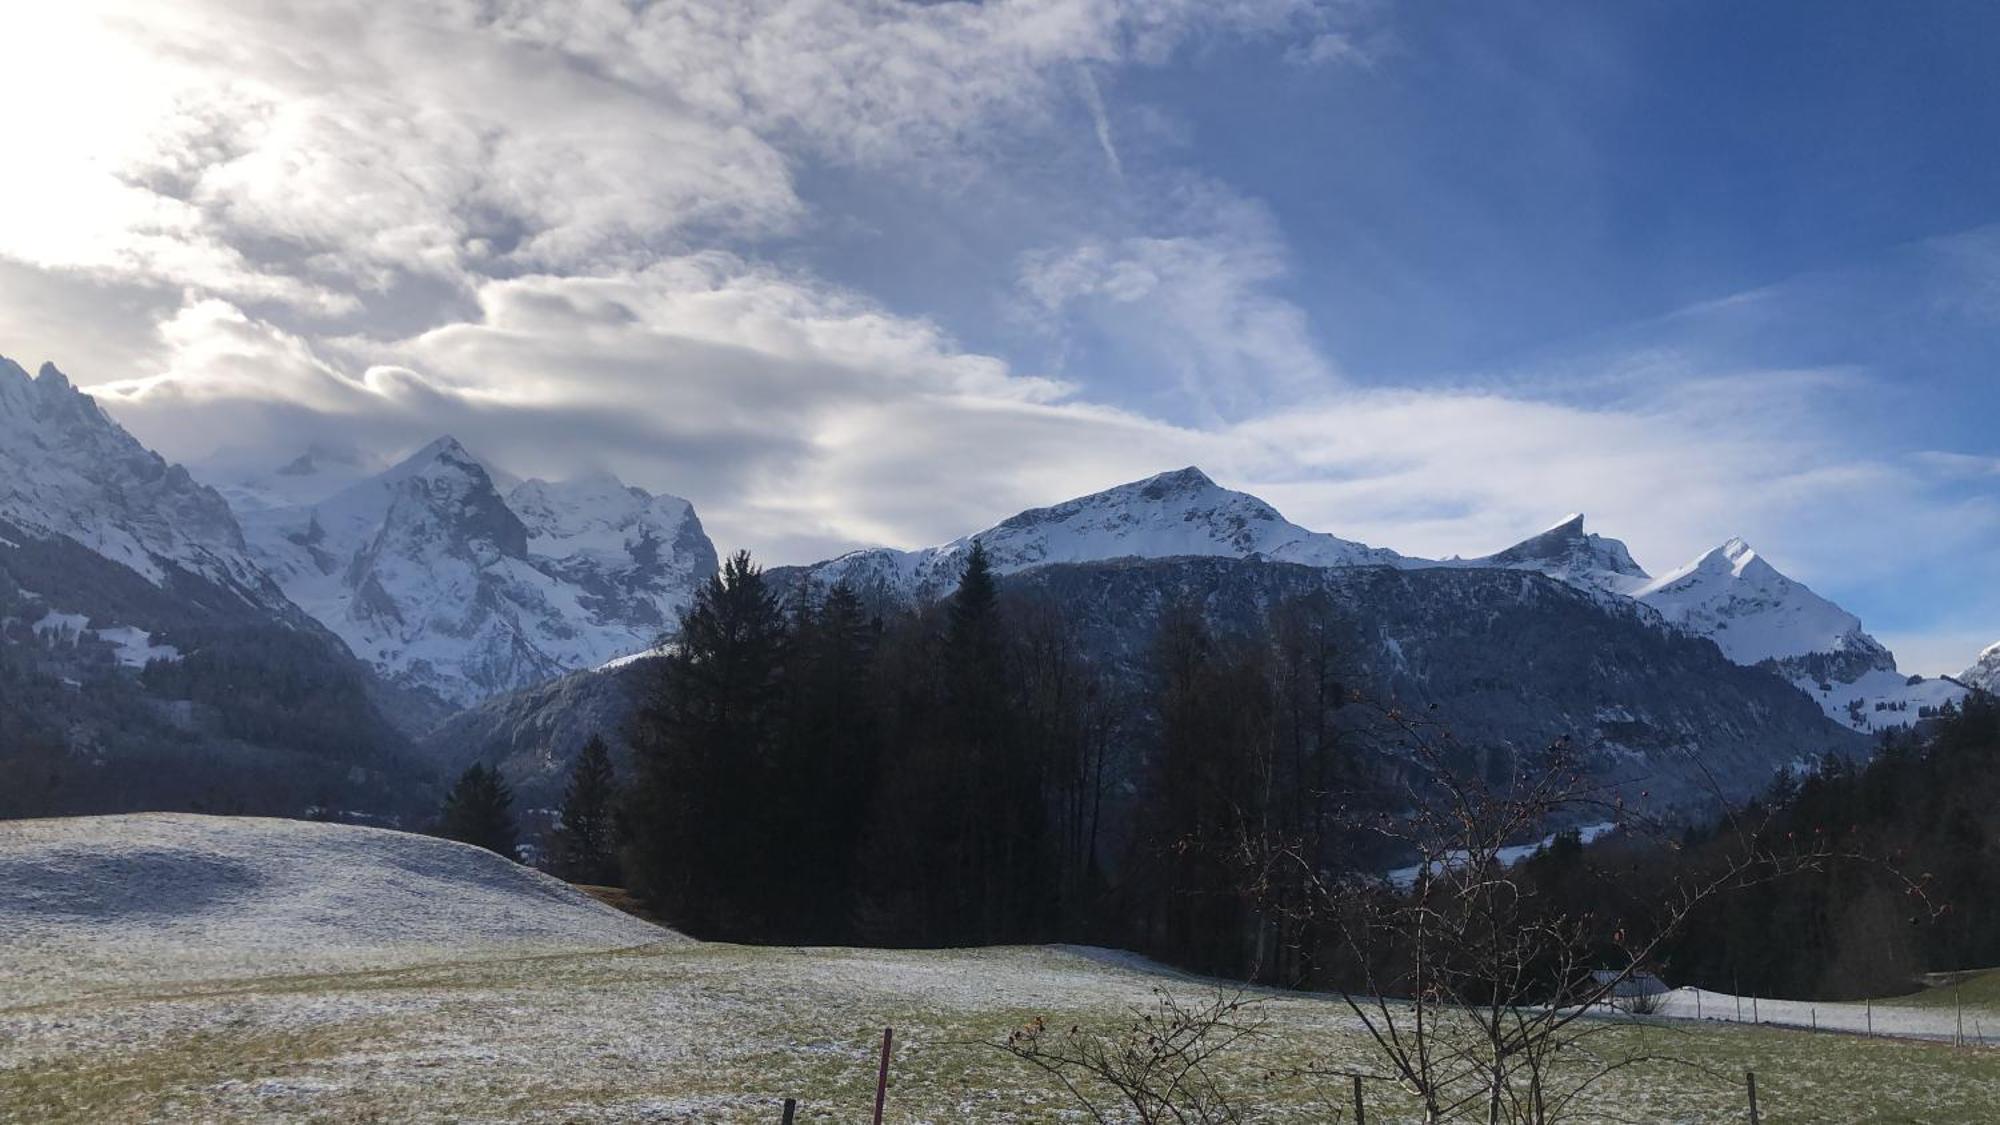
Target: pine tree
column 479, row 811
column 703, row 741
column 586, row 851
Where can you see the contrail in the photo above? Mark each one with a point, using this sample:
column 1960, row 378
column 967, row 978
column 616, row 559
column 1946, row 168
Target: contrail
column 1095, row 101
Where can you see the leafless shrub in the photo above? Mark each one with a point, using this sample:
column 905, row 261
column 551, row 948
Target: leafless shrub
column 1160, row 1066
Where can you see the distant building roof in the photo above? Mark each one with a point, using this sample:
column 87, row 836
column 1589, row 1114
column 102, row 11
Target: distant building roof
column 1640, row 983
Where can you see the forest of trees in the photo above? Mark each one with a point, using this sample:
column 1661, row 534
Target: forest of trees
column 961, row 774
column 1909, row 882
column 809, row 771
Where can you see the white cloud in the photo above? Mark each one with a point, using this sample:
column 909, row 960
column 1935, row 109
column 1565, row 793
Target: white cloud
column 292, row 152
column 1198, row 304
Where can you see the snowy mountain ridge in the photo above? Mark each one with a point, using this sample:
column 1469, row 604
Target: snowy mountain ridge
column 1567, row 553
column 67, row 469
column 1174, row 514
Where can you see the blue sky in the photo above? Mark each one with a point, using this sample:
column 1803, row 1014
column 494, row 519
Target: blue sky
column 857, row 271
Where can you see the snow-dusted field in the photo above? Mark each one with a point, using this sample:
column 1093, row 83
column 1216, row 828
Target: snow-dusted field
column 1940, row 1022
column 189, row 969
column 94, row 903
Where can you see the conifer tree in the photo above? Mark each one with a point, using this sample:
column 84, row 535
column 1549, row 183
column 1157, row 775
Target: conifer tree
column 586, row 848
column 703, row 741
column 479, row 811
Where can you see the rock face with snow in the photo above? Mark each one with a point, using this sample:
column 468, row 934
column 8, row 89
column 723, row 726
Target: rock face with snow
column 1182, row 513
column 1754, row 613
column 1571, row 555
column 1985, row 672
column 1758, row 616
column 68, row 470
column 444, row 585
column 149, row 660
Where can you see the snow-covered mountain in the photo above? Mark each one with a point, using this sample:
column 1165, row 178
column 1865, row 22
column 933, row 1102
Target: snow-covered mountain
column 252, row 486
column 1985, row 672
column 1757, row 615
column 1569, row 554
column 1754, row 613
column 1181, row 513
column 441, row 583
column 67, row 469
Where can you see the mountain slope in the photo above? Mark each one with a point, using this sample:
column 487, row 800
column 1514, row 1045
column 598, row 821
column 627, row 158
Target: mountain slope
column 436, row 580
column 145, row 660
column 1758, row 616
column 66, row 469
column 1181, row 513
column 1510, row 662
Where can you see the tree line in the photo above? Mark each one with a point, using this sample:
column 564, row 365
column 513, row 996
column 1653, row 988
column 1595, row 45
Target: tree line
column 808, row 769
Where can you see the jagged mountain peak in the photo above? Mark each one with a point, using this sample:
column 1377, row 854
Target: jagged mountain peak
column 1755, row 612
column 442, row 582
column 1568, row 553
column 68, row 469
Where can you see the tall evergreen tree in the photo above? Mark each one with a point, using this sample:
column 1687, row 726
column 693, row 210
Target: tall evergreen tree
column 586, row 849
column 702, row 850
column 479, row 810
column 827, row 761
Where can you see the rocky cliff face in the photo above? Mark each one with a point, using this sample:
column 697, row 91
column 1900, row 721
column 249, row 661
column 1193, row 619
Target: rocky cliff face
column 444, row 585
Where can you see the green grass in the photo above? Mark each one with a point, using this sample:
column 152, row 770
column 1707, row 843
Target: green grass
column 723, row 1033
column 1977, row 989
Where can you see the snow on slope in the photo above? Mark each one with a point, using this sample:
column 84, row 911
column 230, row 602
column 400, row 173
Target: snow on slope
column 1754, row 613
column 1567, row 553
column 428, row 574
column 122, row 900
column 67, row 469
column 1985, row 672
column 1168, row 515
column 637, row 556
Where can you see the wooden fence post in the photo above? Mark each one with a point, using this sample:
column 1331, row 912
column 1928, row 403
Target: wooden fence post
column 791, row 1109
column 882, row 1074
column 1360, row 1111
column 1751, row 1077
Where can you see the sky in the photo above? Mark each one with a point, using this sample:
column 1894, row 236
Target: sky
column 850, row 273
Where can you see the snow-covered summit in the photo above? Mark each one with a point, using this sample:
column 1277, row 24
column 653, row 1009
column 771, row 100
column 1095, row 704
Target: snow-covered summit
column 1754, row 613
column 1178, row 513
column 636, row 556
column 435, row 578
column 67, row 469
column 1567, row 553
column 1985, row 672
